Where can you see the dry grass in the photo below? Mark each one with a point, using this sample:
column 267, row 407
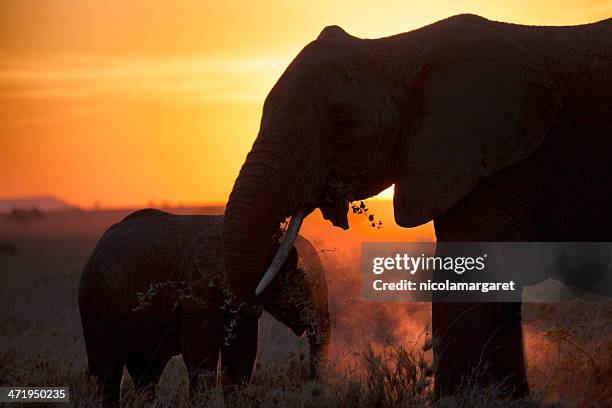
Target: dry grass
column 569, row 347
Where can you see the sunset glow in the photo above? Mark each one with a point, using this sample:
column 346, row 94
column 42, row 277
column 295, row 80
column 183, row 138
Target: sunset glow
column 386, row 194
column 160, row 101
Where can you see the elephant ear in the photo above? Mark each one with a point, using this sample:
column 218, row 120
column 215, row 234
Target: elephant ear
column 483, row 103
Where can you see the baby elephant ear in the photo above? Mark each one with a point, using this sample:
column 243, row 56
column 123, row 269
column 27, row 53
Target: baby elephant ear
column 482, row 104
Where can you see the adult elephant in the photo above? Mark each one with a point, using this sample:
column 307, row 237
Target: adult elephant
column 497, row 132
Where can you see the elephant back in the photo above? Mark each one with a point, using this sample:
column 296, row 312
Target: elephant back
column 139, row 253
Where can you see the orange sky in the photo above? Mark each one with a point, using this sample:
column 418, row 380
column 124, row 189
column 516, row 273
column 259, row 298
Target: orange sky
column 160, row 100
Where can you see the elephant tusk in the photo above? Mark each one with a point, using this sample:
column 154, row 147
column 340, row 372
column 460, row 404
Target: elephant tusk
column 283, row 250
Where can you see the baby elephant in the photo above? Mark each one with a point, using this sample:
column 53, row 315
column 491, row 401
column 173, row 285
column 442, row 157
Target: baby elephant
column 154, row 287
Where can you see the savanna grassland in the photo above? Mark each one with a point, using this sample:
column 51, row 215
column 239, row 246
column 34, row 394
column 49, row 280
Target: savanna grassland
column 381, row 353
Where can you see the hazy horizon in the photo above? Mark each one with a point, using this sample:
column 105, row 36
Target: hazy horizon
column 386, row 195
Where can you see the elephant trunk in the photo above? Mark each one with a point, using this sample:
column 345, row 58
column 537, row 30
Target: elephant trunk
column 261, row 199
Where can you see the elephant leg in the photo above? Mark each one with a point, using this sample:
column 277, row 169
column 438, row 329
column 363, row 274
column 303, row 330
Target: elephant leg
column 238, row 358
column 202, row 334
column 319, row 353
column 486, row 336
column 104, row 362
column 146, row 370
column 201, row 362
column 318, row 340
column 107, row 370
column 480, row 339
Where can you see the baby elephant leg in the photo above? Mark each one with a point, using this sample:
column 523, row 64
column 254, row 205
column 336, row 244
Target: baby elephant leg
column 108, row 376
column 318, row 340
column 202, row 334
column 146, row 371
column 238, row 357
column 318, row 358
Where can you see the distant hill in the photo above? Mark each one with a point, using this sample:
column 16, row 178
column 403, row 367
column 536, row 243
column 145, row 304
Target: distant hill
column 42, row 203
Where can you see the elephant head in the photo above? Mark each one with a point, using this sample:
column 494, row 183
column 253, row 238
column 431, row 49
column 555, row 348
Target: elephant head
column 298, row 297
column 432, row 111
column 290, row 300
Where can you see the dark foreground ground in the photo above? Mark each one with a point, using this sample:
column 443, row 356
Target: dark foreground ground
column 569, row 346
